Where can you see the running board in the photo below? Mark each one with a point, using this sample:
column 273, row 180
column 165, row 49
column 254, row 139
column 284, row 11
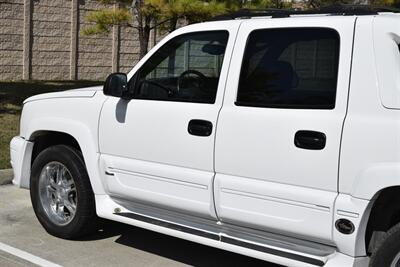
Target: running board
column 218, row 236
column 172, row 226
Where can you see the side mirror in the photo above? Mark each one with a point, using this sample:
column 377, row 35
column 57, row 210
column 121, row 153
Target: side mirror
column 116, row 85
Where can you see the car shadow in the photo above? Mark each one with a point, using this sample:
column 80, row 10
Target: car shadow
column 176, row 249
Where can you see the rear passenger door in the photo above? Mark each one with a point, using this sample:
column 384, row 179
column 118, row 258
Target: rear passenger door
column 279, row 131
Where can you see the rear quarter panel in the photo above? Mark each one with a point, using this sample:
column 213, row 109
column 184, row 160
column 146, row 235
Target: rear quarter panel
column 370, row 151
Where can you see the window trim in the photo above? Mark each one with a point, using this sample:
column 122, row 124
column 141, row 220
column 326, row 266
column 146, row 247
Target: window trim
column 288, row 106
column 283, row 106
column 174, row 100
column 137, row 74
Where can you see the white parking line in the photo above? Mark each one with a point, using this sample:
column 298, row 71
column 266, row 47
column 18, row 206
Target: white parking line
column 27, row 256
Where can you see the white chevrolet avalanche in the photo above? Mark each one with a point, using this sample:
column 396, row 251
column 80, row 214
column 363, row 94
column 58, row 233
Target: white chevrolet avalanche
column 275, row 136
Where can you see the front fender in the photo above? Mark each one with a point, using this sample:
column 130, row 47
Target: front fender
column 77, row 117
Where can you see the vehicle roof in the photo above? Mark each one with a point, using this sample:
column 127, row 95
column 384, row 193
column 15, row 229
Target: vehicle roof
column 330, row 11
column 299, row 16
column 291, row 18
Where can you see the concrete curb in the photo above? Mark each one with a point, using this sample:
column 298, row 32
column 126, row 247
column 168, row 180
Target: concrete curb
column 6, row 176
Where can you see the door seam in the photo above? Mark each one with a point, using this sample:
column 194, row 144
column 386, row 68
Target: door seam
column 216, row 123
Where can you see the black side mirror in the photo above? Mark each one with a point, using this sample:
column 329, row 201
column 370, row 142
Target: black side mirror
column 116, row 85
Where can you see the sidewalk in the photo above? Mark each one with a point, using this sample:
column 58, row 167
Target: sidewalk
column 6, row 176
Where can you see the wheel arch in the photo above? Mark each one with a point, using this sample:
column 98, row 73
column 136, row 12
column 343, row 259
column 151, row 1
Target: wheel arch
column 73, row 133
column 384, row 214
column 43, row 139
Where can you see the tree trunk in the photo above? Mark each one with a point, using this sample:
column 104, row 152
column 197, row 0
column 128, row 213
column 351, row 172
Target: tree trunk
column 143, row 43
column 145, row 38
column 143, row 26
column 172, row 24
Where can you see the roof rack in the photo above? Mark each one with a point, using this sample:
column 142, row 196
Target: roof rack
column 336, row 10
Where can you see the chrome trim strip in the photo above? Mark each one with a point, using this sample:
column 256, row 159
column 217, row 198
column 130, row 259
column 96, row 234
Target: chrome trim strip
column 275, row 199
column 160, row 178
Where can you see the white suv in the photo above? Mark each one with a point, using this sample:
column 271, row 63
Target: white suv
column 275, row 137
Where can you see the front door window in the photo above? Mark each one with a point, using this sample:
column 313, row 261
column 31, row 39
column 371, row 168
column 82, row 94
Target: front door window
column 186, row 68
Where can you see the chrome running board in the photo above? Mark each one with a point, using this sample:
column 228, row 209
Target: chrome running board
column 282, row 246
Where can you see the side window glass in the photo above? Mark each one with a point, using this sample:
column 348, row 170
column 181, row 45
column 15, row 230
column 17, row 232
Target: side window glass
column 187, row 68
column 290, row 68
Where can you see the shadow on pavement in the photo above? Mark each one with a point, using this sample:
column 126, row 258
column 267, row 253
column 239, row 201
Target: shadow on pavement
column 173, row 248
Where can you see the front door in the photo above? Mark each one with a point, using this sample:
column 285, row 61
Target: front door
column 279, row 131
column 158, row 147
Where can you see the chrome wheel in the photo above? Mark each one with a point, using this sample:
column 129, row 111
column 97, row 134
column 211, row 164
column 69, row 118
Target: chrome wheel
column 57, row 193
column 396, row 261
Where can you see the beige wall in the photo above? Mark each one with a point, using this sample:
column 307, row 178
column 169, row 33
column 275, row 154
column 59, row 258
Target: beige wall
column 11, row 39
column 37, row 37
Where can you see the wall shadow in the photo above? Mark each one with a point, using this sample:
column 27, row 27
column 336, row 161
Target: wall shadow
column 13, row 93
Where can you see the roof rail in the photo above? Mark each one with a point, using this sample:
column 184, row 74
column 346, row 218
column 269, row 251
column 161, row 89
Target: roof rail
column 337, row 10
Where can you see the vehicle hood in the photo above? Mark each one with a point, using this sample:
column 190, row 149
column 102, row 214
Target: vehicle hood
column 74, row 93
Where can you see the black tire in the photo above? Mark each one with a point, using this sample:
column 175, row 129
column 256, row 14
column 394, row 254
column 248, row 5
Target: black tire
column 387, row 249
column 85, row 220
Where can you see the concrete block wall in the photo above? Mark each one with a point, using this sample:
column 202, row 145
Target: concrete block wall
column 40, row 40
column 11, row 39
column 94, row 53
column 51, row 34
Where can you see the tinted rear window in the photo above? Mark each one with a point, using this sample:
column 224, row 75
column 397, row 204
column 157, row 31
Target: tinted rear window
column 290, row 68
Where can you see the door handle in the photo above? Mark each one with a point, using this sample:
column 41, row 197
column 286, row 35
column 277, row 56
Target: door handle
column 200, row 127
column 310, row 140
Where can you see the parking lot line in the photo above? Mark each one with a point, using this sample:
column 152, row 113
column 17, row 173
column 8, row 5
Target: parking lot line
column 27, row 256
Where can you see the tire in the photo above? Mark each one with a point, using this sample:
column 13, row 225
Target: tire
column 62, row 199
column 387, row 252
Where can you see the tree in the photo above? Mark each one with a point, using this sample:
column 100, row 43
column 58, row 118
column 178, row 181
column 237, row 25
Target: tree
column 238, row 4
column 143, row 15
column 386, row 2
column 191, row 11
column 131, row 13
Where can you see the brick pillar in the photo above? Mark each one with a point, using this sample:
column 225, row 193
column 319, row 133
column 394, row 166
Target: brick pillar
column 115, row 46
column 27, row 53
column 153, row 35
column 74, row 39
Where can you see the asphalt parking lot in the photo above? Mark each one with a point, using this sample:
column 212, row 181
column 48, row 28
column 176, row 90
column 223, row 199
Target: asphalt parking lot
column 23, row 241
